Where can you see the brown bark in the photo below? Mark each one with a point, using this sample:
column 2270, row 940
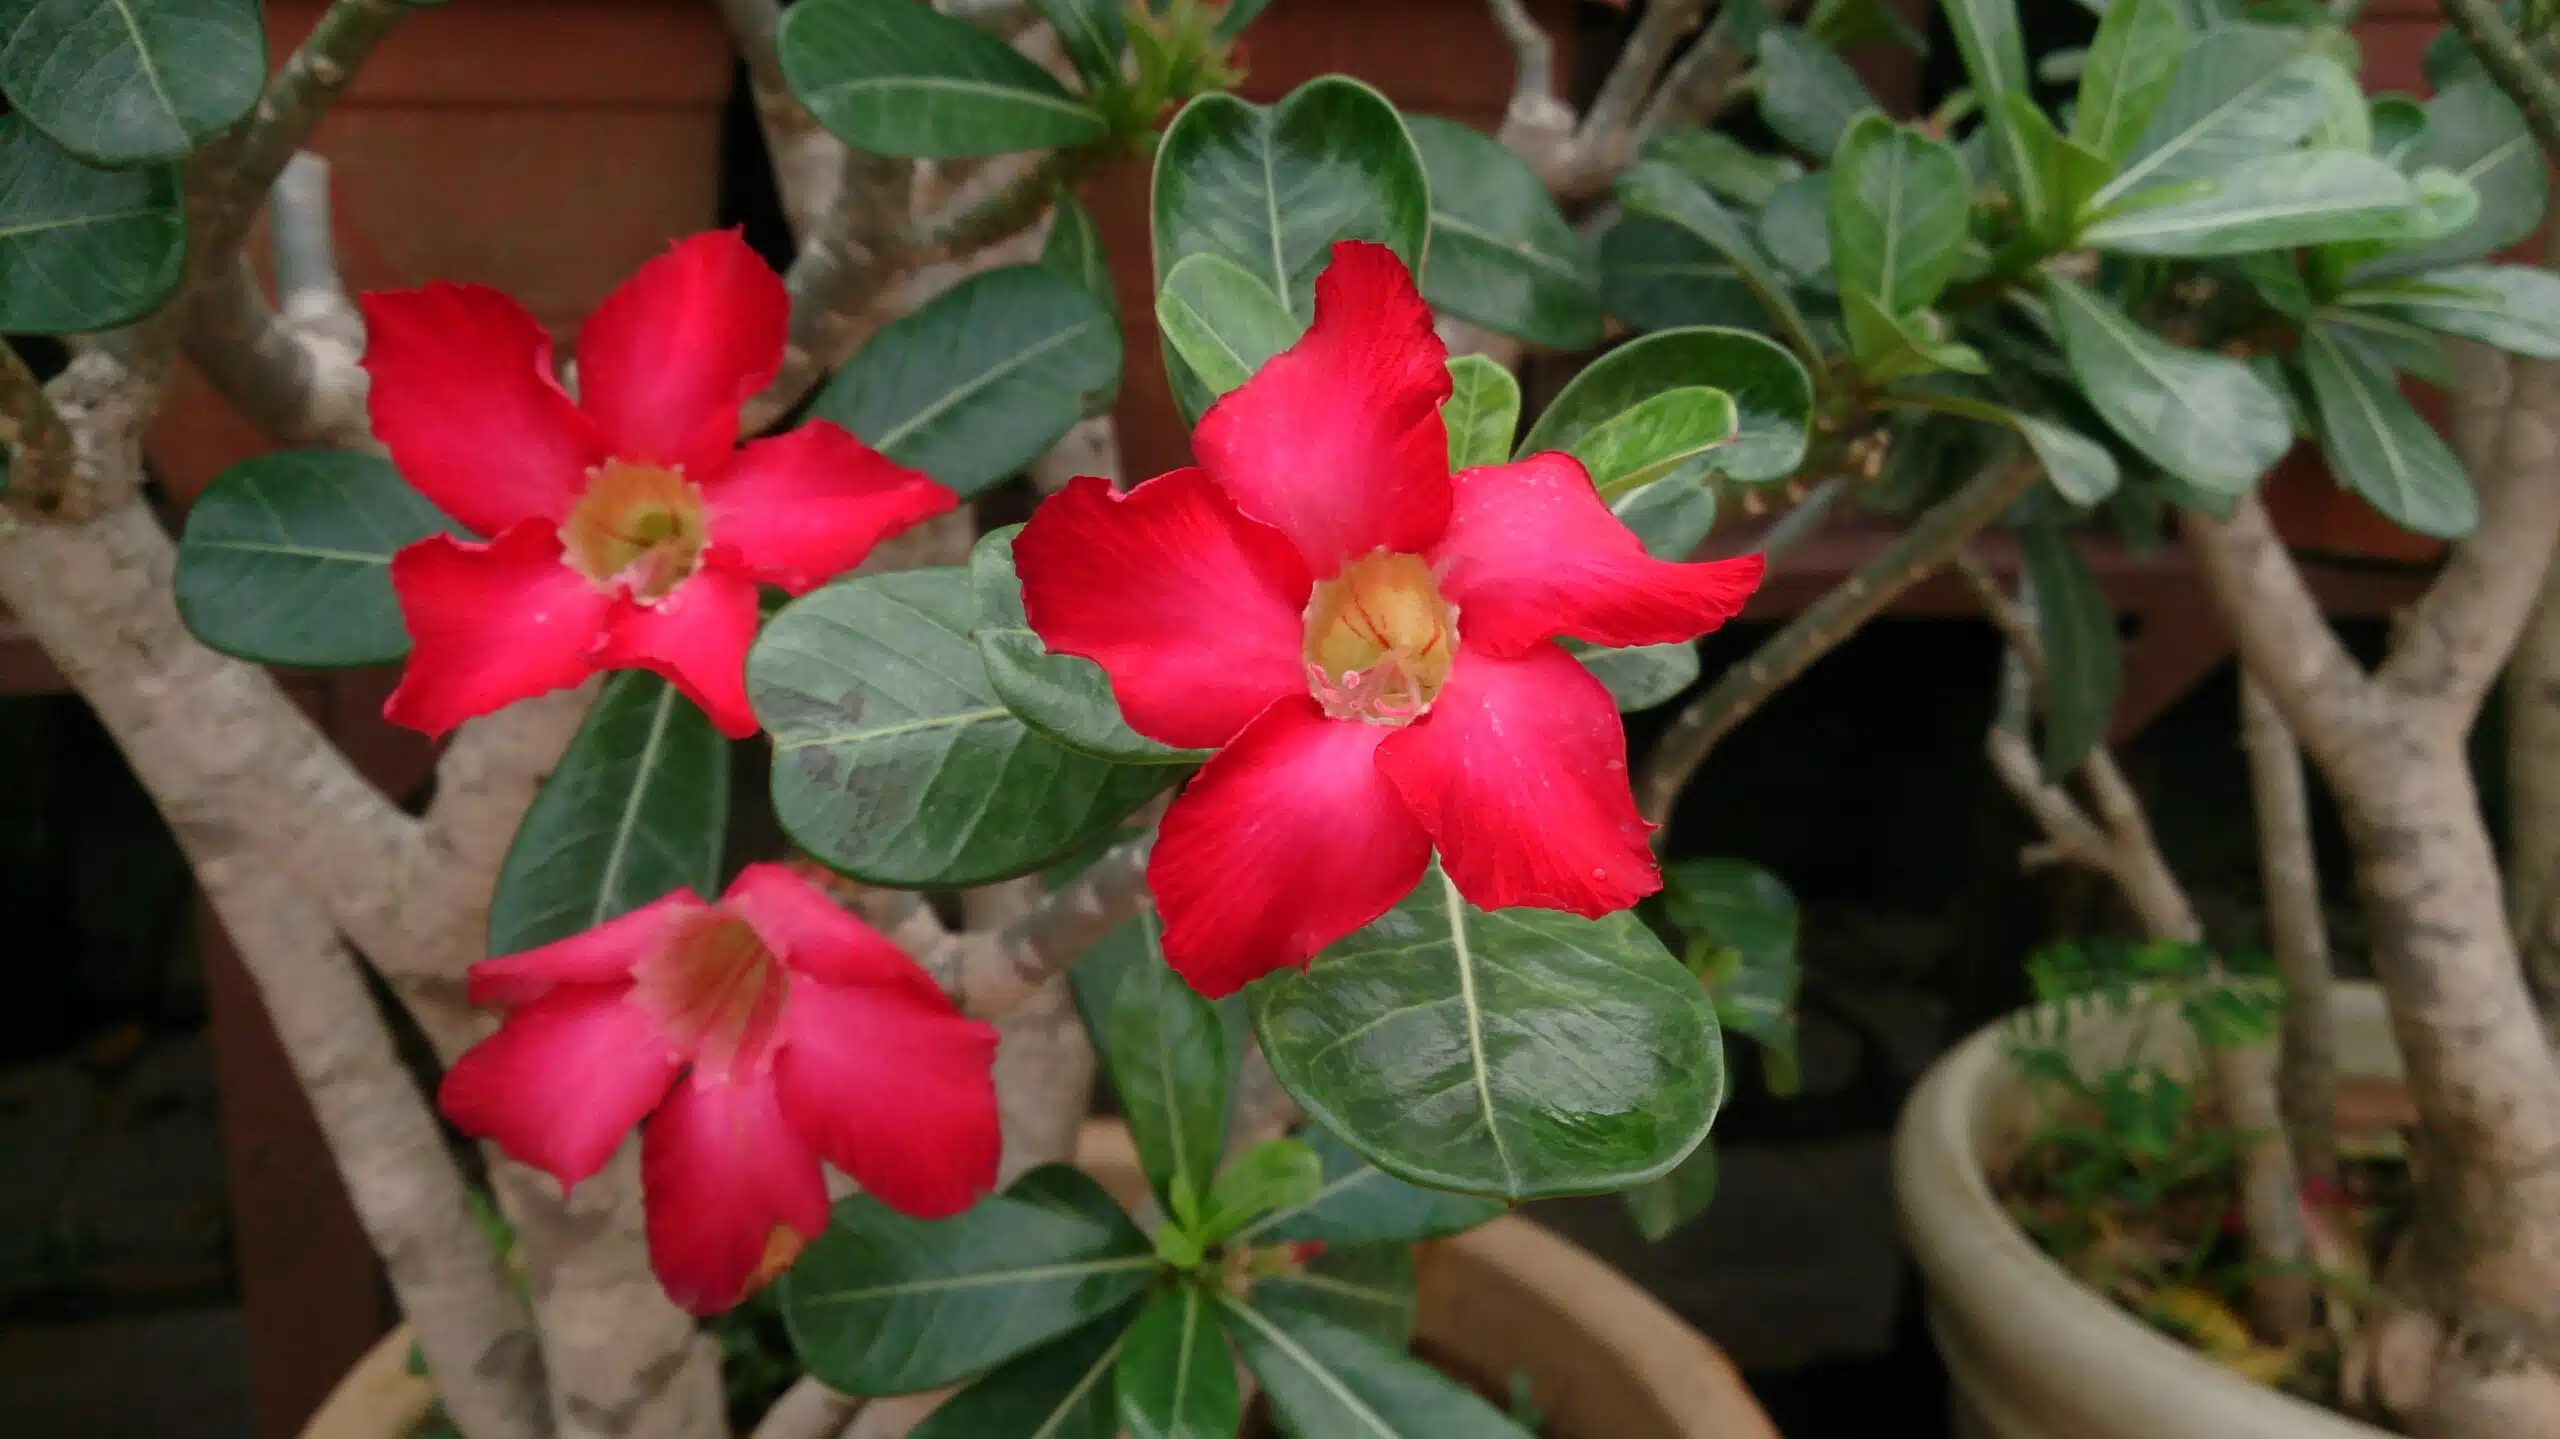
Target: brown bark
column 2307, row 1082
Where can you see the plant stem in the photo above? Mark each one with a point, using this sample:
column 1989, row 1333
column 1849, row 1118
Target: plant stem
column 2510, row 62
column 2307, row 1076
column 40, row 455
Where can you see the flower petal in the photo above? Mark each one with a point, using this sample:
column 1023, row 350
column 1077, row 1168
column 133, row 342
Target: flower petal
column 817, row 937
column 489, row 625
column 1520, row 774
column 805, row 506
column 601, row 955
column 562, row 1080
column 463, row 397
column 720, row 1170
column 1195, row 612
column 895, row 1091
column 1533, row 553
column 1337, row 441
column 669, row 358
column 697, row 636
column 1286, row 841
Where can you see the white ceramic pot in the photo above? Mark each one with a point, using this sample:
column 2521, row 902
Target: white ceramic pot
column 2031, row 1353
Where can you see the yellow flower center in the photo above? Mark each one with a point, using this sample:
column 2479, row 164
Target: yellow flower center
column 638, row 526
column 718, row 991
column 1380, row 640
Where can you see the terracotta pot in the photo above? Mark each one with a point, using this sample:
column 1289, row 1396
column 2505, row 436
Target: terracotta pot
column 1606, row 1360
column 2030, row 1352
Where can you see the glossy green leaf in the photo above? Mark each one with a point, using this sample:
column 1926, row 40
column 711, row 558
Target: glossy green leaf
column 1326, row 1379
column 1657, row 276
column 2392, row 342
column 636, row 809
column 1482, row 412
column 1502, row 255
column 1061, row 1390
column 2396, row 122
column 1167, row 1053
column 1238, row 15
column 1654, row 437
column 2067, row 174
column 1795, row 229
column 983, row 378
column 1808, row 95
column 1521, row 1053
column 82, row 249
column 286, row 559
column 1995, row 58
column 883, row 1304
column 1364, row 1287
column 2081, row 469
column 2513, row 307
column 896, row 78
column 1889, row 347
column 2381, row 447
column 1655, row 189
column 1846, row 24
column 2273, row 202
column 1899, row 205
column 128, row 82
column 2205, row 417
column 1091, row 33
column 2084, row 663
column 1074, row 248
column 1672, row 515
column 1274, row 1176
column 1662, row 1206
column 1358, row 1203
column 1175, row 1378
column 1224, row 323
column 894, row 760
column 1772, row 397
column 1639, row 677
column 2132, row 63
column 2475, row 132
column 1742, row 923
column 1065, row 697
column 2241, row 91
column 1716, row 161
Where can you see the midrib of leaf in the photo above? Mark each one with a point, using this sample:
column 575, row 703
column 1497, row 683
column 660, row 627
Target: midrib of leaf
column 1033, row 1275
column 1182, row 1351
column 299, row 552
column 897, row 434
column 2130, row 227
column 1386, row 1298
column 1892, row 223
column 1211, row 331
column 1280, row 285
column 2494, row 158
column 2354, row 378
column 150, row 72
column 1464, row 954
column 949, row 721
column 1362, row 1175
column 2135, row 352
column 1299, row 1356
column 1527, row 253
column 1067, row 1404
column 987, row 88
column 620, row 851
column 2179, row 143
column 37, row 227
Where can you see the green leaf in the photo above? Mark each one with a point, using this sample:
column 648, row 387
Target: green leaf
column 1336, row 1382
column 2066, row 174
column 1091, row 33
column 82, row 249
column 884, row 1304
column 1167, row 1052
column 2394, row 343
column 1657, row 276
column 1060, row 1390
column 2242, row 91
column 2381, row 446
column 1065, row 697
column 1671, row 515
column 636, row 809
column 2084, row 664
column 1847, row 24
column 2397, row 122
column 1742, row 920
column 1502, row 255
column 1986, row 35
column 2081, row 469
column 1772, row 397
column 1368, row 1288
column 2274, row 202
column 896, row 78
column 286, row 559
column 1482, row 412
column 1174, row 1376
column 128, row 82
column 895, row 762
column 1808, row 95
column 2132, row 63
column 1723, row 166
column 1889, row 347
column 1238, row 15
column 1273, row 1176
column 1795, row 229
column 1654, row 437
column 1899, row 205
column 1074, row 249
column 1522, row 1053
column 2513, row 307
column 983, row 378
column 1359, row 1204
column 2475, row 132
column 2205, row 417
column 1661, row 1206
column 1224, row 323
column 1656, row 189
column 1639, row 677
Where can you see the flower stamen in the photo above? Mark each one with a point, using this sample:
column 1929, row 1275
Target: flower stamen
column 1380, row 640
column 637, row 527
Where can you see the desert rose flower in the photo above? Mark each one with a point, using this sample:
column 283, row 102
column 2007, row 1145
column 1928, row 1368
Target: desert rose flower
column 757, row 1036
column 627, row 528
column 1368, row 643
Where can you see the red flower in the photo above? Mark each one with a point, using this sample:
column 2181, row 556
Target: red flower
column 627, row 528
column 758, row 1036
column 1367, row 642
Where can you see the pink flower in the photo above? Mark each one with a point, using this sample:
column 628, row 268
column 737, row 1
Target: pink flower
column 1367, row 642
column 627, row 528
column 757, row 1036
